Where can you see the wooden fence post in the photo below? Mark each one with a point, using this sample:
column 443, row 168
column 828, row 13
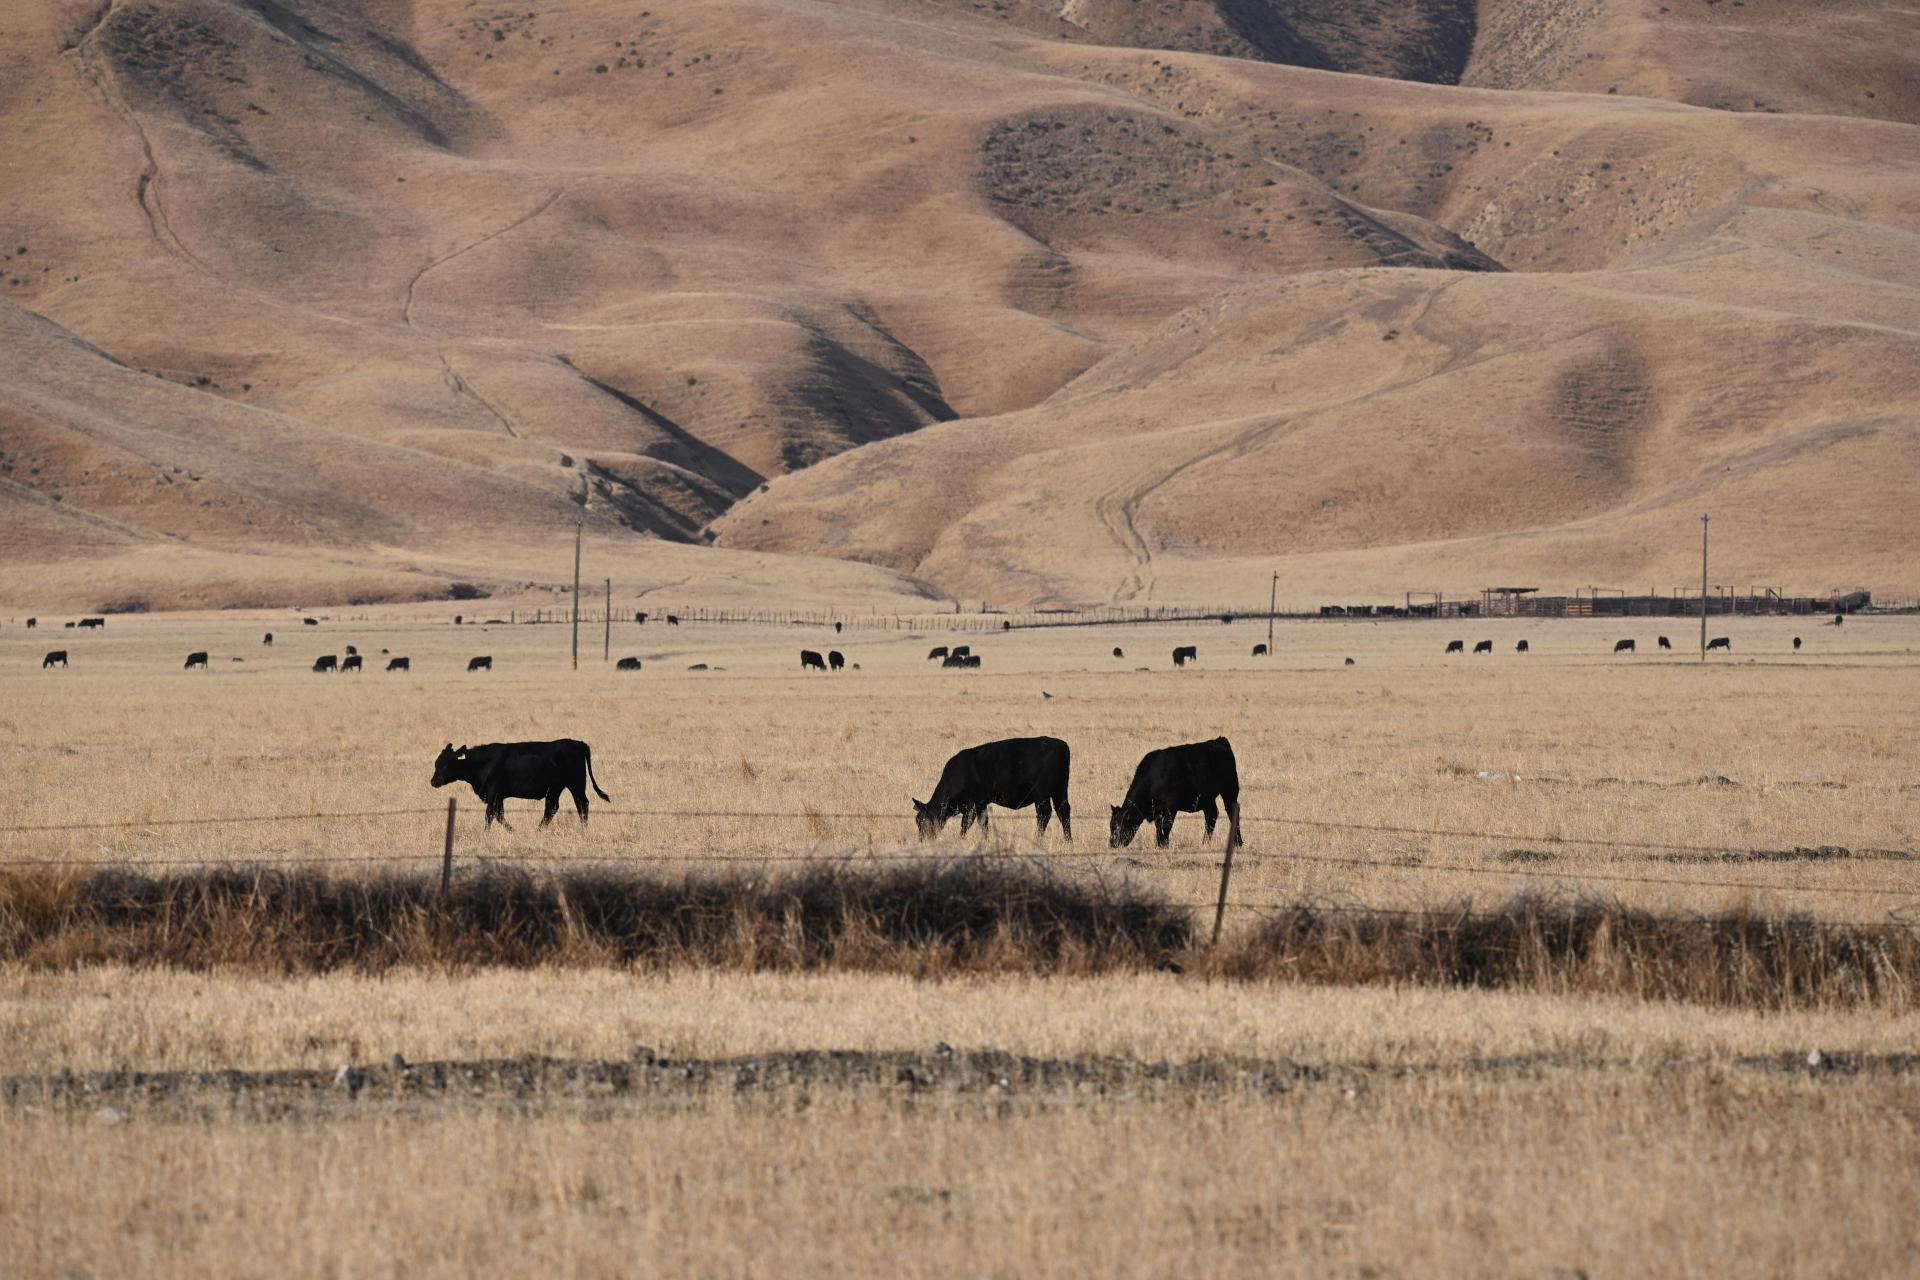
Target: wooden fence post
column 446, row 860
column 1219, row 910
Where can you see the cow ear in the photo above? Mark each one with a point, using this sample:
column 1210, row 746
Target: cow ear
column 449, row 746
column 919, row 806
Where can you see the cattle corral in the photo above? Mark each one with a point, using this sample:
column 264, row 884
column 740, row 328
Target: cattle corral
column 1767, row 781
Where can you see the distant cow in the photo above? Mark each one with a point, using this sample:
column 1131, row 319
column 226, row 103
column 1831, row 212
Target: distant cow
column 69, row 626
column 1176, row 780
column 326, row 662
column 196, row 660
column 627, row 664
column 1521, row 647
column 1349, row 661
column 673, row 620
column 351, row 651
column 1456, row 646
column 57, row 655
column 1839, row 620
column 938, row 651
column 1796, row 644
column 480, row 664
column 836, row 659
column 698, row 666
column 1665, row 643
column 640, row 616
column 269, row 640
column 962, row 661
column 836, row 628
column 93, row 624
column 961, row 650
column 312, row 622
column 1623, row 646
column 1118, row 652
column 1006, row 626
column 32, row 623
column 1484, row 646
column 352, row 663
column 1186, row 653
column 1012, row 773
column 1259, row 651
column 502, row 771
column 400, row 664
column 811, row 661
column 1720, row 642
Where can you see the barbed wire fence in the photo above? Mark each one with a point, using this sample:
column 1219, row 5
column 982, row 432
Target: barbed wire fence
column 1900, row 896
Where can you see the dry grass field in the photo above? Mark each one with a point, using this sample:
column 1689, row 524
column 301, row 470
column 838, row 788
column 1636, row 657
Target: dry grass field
column 1247, row 1127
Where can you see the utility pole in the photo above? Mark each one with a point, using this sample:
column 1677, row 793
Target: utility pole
column 576, row 594
column 1273, row 594
column 1703, row 587
column 606, row 641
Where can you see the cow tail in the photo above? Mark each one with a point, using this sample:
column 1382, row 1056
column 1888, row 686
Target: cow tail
column 595, row 781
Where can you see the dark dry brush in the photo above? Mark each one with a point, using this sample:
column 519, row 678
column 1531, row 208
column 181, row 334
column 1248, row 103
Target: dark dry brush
column 966, row 915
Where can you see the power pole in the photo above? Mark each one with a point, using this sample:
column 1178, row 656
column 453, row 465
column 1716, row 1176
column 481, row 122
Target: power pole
column 576, row 594
column 1703, row 587
column 606, row 641
column 1273, row 594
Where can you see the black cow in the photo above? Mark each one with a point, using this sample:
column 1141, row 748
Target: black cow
column 1484, row 646
column 1521, row 647
column 1839, row 620
column 1186, row 653
column 811, row 661
column 1796, row 644
column 70, row 626
column 1118, row 652
column 627, row 664
column 1349, row 661
column 1720, row 642
column 480, row 664
column 961, row 650
column 938, row 651
column 1665, row 643
column 836, row 659
column 960, row 661
column 836, row 628
column 326, row 662
column 1456, row 646
column 1006, row 626
column 698, row 666
column 32, row 623
column 970, row 660
column 92, row 624
column 1175, row 780
column 1623, row 646
column 502, row 771
column 196, row 660
column 673, row 620
column 400, row 664
column 351, row 651
column 640, row 616
column 312, row 622
column 57, row 655
column 1012, row 773
column 269, row 640
column 1259, row 651
column 352, row 663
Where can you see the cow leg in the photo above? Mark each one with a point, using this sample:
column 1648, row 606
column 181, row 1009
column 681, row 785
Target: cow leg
column 1066, row 818
column 1234, row 840
column 579, row 790
column 497, row 812
column 1162, row 829
column 552, row 807
column 1211, row 814
column 1043, row 811
column 966, row 821
column 980, row 816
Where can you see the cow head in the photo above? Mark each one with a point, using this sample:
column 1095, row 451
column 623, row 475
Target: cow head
column 448, row 767
column 929, row 821
column 1121, row 827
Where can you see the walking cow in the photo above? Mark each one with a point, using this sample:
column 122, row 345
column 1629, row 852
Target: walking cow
column 502, row 771
column 1175, row 780
column 1012, row 773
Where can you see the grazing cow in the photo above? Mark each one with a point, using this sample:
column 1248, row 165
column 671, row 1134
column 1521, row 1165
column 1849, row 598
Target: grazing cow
column 1186, row 653
column 640, row 616
column 1720, row 642
column 811, row 661
column 673, row 620
column 627, row 664
column 1259, row 651
column 32, row 623
column 960, row 661
column 1456, row 646
column 970, row 661
column 197, row 660
column 312, row 622
column 1118, row 652
column 70, row 626
column 1521, row 647
column 269, row 640
column 1623, row 646
column 961, row 650
column 400, row 664
column 352, row 663
column 1349, row 661
column 502, row 771
column 836, row 659
column 92, row 624
column 1484, row 646
column 1839, row 620
column 1796, row 644
column 1006, row 626
column 480, row 664
column 1175, row 780
column 698, row 666
column 1012, row 773
column 1665, row 643
column 938, row 651
column 351, row 651
column 326, row 662
column 57, row 655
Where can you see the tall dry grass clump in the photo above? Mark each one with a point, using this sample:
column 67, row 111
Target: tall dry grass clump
column 962, row 916
column 1587, row 946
